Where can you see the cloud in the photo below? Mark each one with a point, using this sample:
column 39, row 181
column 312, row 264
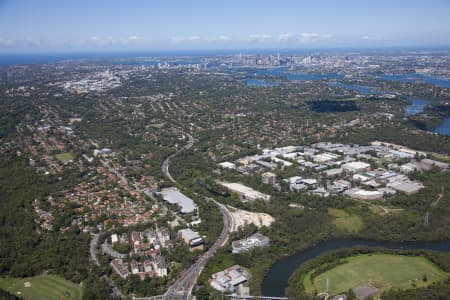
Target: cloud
column 371, row 38
column 223, row 38
column 98, row 41
column 310, row 37
column 219, row 38
column 9, row 43
column 6, row 43
column 286, row 37
column 87, row 42
column 260, row 37
column 134, row 40
column 191, row 38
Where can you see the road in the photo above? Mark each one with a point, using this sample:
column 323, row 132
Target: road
column 182, row 287
column 92, row 246
column 186, row 281
column 166, row 162
column 106, row 164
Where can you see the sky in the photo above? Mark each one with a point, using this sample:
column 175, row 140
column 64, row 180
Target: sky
column 113, row 25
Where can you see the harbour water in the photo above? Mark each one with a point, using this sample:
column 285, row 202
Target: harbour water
column 438, row 81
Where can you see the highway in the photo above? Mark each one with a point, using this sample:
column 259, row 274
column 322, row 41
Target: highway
column 182, row 287
column 166, row 162
column 186, row 281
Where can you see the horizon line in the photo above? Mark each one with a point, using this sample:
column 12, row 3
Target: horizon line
column 264, row 49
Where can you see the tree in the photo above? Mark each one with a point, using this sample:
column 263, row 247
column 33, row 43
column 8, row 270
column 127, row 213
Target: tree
column 202, row 293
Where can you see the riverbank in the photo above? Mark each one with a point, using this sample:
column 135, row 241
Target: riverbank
column 444, row 127
column 276, row 280
column 375, row 272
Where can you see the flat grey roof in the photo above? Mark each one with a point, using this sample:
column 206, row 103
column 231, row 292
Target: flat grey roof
column 189, row 234
column 174, row 196
column 408, row 187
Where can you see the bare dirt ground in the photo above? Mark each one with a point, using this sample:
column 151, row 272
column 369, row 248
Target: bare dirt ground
column 242, row 217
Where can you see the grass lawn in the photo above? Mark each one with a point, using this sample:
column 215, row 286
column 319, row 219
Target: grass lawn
column 45, row 287
column 345, row 221
column 383, row 271
column 65, row 157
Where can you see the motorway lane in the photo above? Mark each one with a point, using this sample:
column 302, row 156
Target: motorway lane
column 182, row 287
column 166, row 162
column 187, row 280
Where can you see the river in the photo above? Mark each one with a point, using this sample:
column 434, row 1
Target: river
column 260, row 82
column 253, row 74
column 414, row 77
column 417, row 106
column 277, row 278
column 444, row 128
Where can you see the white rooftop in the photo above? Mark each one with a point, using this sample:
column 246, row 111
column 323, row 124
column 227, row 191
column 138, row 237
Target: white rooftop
column 174, row 196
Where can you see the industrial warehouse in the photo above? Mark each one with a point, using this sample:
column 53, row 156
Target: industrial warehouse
column 361, row 172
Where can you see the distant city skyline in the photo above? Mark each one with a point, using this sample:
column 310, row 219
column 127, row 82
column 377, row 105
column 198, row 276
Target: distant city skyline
column 83, row 26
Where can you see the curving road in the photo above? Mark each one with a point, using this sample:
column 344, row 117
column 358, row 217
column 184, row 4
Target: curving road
column 166, row 162
column 182, row 287
column 92, row 250
column 92, row 245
